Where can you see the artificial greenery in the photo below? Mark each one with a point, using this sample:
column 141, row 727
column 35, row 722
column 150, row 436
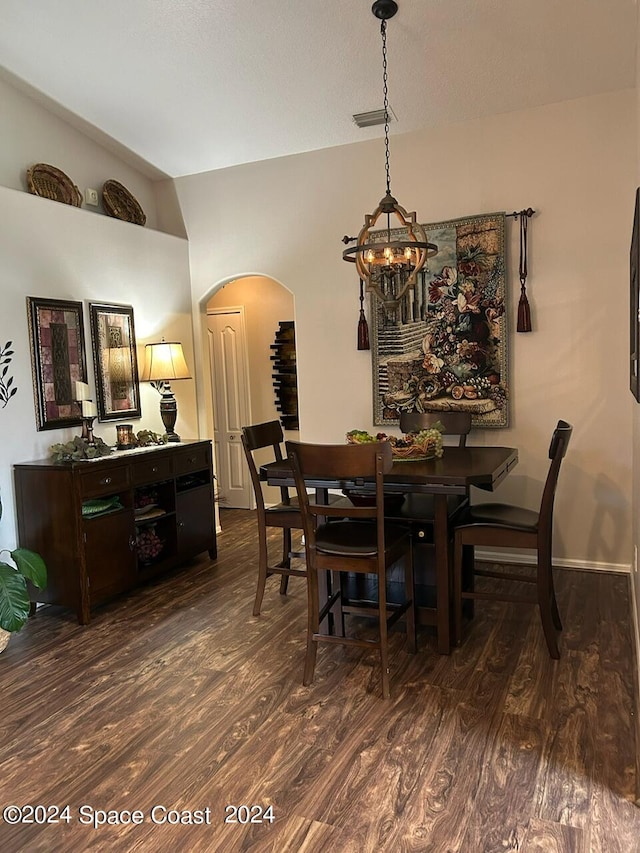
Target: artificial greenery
column 79, row 448
column 14, row 592
column 147, row 437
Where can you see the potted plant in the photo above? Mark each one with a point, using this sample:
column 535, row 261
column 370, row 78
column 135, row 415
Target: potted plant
column 25, row 566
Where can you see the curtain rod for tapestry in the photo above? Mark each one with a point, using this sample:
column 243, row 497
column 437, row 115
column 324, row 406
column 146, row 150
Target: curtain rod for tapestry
column 524, row 312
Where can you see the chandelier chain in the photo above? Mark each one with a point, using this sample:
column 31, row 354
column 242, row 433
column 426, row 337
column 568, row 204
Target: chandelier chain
column 383, row 30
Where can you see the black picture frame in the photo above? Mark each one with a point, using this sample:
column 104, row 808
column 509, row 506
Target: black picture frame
column 58, row 360
column 115, row 363
column 634, row 308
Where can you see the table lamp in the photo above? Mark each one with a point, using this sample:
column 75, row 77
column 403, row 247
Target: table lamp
column 165, row 362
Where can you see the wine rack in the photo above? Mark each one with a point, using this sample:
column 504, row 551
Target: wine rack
column 285, row 377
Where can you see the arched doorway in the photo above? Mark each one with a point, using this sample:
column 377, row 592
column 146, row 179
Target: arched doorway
column 242, row 319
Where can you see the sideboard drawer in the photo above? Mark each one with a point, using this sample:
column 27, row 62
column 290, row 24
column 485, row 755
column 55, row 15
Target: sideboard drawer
column 194, row 459
column 104, row 482
column 152, row 470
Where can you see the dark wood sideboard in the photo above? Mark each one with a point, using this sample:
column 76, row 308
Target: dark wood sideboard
column 164, row 516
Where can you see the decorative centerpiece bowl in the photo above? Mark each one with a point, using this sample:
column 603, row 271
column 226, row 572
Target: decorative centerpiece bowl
column 412, row 447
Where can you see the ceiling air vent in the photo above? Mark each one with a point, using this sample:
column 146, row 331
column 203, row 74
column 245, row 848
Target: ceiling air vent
column 372, row 118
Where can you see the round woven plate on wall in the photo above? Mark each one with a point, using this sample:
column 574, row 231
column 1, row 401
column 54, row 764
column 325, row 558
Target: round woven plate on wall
column 119, row 202
column 48, row 182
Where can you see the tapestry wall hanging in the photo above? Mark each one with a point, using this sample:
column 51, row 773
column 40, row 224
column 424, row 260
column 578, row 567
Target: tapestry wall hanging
column 444, row 347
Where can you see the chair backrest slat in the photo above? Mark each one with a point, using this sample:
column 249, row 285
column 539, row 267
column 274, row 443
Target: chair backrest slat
column 453, row 423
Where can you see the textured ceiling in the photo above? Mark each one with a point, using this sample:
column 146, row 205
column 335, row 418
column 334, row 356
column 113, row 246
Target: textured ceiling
column 194, row 85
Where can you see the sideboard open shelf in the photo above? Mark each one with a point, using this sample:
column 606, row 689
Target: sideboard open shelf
column 107, row 525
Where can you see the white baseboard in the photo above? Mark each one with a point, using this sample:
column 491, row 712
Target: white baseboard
column 519, row 557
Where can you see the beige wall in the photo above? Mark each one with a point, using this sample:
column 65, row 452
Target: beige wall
column 575, row 163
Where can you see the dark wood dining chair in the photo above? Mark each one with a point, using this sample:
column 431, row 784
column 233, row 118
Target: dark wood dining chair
column 496, row 525
column 284, row 515
column 345, row 539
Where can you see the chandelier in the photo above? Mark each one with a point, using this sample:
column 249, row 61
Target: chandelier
column 388, row 261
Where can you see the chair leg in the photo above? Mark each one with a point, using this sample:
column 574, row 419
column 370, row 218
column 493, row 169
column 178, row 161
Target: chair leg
column 547, row 604
column 383, row 637
column 468, row 579
column 457, row 590
column 286, row 559
column 555, row 613
column 286, row 548
column 410, row 595
column 262, row 569
column 313, row 625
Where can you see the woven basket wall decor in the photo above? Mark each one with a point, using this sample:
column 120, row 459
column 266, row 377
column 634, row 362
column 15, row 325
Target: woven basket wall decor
column 119, row 202
column 49, row 182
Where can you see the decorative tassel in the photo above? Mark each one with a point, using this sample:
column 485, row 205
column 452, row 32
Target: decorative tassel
column 524, row 312
column 363, row 328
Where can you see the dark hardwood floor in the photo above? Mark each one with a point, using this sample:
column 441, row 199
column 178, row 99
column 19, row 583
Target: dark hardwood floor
column 177, row 697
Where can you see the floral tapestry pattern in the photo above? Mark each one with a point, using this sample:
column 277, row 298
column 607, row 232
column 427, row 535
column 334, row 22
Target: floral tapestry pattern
column 445, row 346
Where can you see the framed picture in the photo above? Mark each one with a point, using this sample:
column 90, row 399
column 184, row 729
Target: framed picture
column 634, row 311
column 114, row 360
column 58, row 360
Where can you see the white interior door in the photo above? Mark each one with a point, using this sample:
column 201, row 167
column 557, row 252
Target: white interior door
column 230, row 373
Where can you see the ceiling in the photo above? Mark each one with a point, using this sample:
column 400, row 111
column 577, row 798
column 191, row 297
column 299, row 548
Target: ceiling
column 195, row 85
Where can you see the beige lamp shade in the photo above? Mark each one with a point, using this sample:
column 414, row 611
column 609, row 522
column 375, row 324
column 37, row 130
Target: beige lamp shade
column 164, row 361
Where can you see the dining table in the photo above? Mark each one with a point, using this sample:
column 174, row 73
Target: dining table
column 451, row 475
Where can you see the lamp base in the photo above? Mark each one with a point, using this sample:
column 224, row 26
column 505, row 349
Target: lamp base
column 169, row 413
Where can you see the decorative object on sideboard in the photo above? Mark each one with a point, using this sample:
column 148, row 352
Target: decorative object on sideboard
column 56, row 336
column 285, row 375
column 121, row 204
column 149, row 438
column 524, row 311
column 52, row 183
column 125, row 437
column 115, row 363
column 88, row 410
column 388, row 263
column 79, row 449
column 14, row 593
column 447, row 347
column 7, row 388
column 164, row 362
column 634, row 312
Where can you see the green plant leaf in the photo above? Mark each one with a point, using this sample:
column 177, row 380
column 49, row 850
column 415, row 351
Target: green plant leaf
column 14, row 599
column 31, row 565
